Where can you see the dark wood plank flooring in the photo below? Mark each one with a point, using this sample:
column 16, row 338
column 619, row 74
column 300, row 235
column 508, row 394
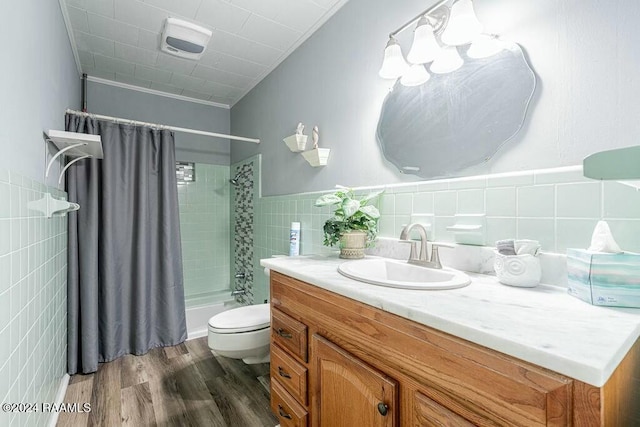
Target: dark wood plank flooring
column 185, row 385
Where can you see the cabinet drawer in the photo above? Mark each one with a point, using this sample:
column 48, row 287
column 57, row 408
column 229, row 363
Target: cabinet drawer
column 287, row 410
column 289, row 334
column 289, row 373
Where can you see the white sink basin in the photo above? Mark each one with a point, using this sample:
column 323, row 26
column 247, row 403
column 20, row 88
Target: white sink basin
column 400, row 274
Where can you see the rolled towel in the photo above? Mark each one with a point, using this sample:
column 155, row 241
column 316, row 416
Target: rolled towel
column 525, row 246
column 506, row 247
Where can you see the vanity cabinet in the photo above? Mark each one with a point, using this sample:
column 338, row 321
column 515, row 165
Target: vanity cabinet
column 346, row 363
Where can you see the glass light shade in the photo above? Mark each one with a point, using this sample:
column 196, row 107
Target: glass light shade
column 463, row 26
column 484, row 46
column 415, row 76
column 393, row 65
column 425, row 47
column 449, row 60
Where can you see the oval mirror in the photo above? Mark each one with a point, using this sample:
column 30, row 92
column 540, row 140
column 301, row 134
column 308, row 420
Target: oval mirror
column 459, row 119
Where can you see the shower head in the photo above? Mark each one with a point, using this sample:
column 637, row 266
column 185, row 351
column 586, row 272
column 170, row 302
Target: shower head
column 235, row 180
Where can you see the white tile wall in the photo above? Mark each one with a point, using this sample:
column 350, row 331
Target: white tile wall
column 558, row 207
column 33, row 300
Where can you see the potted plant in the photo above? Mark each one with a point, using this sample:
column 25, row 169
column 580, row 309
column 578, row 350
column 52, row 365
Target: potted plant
column 354, row 224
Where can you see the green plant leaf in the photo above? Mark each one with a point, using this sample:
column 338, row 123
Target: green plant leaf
column 371, row 196
column 328, row 199
column 350, row 206
column 370, row 211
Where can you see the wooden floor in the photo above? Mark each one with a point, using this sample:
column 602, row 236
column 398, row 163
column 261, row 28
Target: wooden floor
column 185, row 385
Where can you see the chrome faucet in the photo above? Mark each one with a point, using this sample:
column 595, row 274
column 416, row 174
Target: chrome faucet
column 422, row 260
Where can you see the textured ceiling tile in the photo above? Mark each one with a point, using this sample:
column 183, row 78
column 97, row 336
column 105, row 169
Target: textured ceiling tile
column 112, row 29
column 217, row 89
column 135, row 54
column 327, row 4
column 152, row 74
column 140, row 14
column 262, row 54
column 222, row 16
column 148, row 40
column 86, row 59
column 268, row 9
column 166, row 88
column 220, row 76
column 196, row 95
column 300, row 14
column 101, row 7
column 78, row 19
column 103, row 74
column 175, row 64
column 186, row 82
column 94, row 44
column 106, row 63
column 239, row 66
column 270, row 33
column 186, row 8
column 131, row 80
column 229, row 43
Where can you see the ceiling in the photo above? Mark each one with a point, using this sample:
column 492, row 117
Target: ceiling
column 118, row 40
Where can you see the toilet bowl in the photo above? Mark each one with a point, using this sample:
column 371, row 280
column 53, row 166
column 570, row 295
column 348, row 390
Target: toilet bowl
column 242, row 333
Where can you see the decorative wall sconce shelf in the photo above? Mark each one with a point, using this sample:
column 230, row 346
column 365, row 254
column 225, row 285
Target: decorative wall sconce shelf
column 72, row 144
column 296, row 143
column 77, row 146
column 49, row 206
column 317, row 157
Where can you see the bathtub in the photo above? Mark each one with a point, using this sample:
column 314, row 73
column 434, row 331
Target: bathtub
column 198, row 316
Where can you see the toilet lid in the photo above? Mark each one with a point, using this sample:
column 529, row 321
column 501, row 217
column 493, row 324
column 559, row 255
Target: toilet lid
column 241, row 319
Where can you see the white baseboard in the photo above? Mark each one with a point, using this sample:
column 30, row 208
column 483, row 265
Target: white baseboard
column 62, row 390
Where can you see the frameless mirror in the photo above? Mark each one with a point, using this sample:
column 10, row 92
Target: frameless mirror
column 459, row 119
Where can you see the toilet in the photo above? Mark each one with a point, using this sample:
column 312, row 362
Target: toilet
column 242, row 333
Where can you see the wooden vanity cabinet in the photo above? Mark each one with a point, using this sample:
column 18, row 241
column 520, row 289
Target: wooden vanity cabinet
column 351, row 364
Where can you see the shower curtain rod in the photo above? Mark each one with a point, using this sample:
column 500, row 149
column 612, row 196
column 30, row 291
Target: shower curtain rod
column 173, row 128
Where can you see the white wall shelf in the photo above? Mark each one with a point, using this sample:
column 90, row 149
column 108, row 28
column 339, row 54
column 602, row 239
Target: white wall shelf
column 76, row 146
column 317, row 157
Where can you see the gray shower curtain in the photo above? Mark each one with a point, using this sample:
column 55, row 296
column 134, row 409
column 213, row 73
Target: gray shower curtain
column 125, row 283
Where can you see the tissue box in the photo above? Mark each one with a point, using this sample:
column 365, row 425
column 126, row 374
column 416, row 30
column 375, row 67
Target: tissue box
column 604, row 279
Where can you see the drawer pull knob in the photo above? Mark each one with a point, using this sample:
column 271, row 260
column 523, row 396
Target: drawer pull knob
column 282, row 413
column 283, row 373
column 383, row 409
column 283, row 333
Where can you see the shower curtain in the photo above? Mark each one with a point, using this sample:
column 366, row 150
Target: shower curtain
column 125, row 283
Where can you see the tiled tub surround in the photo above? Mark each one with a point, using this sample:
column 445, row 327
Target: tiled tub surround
column 558, row 207
column 243, row 231
column 542, row 325
column 33, row 299
column 204, row 224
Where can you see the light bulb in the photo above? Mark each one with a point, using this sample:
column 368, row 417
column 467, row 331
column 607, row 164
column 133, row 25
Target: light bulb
column 415, row 76
column 449, row 60
column 393, row 65
column 484, row 46
column 463, row 26
column 425, row 47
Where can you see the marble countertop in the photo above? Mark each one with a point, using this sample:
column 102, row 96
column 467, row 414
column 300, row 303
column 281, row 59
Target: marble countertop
column 542, row 325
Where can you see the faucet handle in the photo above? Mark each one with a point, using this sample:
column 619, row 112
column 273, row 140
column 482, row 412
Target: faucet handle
column 435, row 256
column 414, row 248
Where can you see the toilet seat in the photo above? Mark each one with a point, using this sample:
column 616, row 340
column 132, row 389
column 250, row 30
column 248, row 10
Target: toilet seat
column 241, row 319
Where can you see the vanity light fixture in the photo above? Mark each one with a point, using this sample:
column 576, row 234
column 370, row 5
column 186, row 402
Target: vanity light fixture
column 454, row 26
column 425, row 47
column 393, row 65
column 463, row 25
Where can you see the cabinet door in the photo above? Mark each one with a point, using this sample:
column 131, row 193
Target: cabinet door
column 427, row 413
column 348, row 392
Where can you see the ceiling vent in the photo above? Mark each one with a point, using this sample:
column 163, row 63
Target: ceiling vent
column 184, row 39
